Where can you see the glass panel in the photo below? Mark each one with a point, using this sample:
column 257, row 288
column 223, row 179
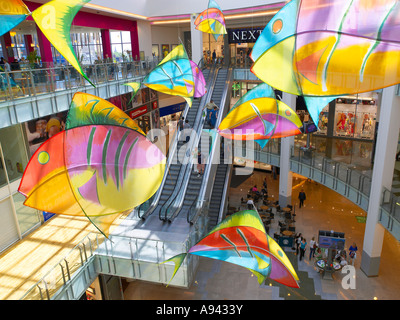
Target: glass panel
column 126, row 37
column 27, row 217
column 14, row 151
column 115, row 36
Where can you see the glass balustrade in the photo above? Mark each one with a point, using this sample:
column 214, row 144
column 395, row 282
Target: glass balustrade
column 32, row 82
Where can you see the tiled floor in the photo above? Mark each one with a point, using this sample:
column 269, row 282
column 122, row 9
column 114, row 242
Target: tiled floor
column 323, row 210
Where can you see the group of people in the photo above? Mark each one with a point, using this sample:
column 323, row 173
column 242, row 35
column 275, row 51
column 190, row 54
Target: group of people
column 317, row 253
column 211, row 113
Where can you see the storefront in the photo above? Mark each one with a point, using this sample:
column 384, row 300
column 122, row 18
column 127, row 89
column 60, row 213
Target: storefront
column 241, row 42
column 354, row 117
column 169, row 116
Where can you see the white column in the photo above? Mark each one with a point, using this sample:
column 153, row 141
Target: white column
column 285, row 176
column 382, row 176
column 197, row 40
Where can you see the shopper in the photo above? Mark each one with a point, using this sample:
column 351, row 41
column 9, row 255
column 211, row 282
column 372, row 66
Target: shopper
column 200, row 163
column 302, row 197
column 214, row 57
column 303, row 246
column 186, row 127
column 213, row 117
column 313, row 246
column 352, row 253
column 181, row 123
column 297, row 240
column 209, row 107
column 250, row 204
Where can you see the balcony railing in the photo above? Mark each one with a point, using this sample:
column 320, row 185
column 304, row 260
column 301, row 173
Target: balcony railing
column 32, row 82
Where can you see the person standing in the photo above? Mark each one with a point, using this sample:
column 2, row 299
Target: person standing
column 303, row 246
column 209, row 107
column 297, row 240
column 181, row 123
column 186, row 130
column 214, row 57
column 200, row 164
column 302, row 197
column 313, row 246
column 352, row 253
column 213, row 117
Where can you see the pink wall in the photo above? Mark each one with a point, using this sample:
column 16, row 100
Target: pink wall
column 91, row 20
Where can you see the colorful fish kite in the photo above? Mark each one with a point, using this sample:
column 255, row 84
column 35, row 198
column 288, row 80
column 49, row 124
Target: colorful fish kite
column 241, row 239
column 259, row 116
column 100, row 166
column 12, row 13
column 323, row 49
column 211, row 20
column 55, row 20
column 175, row 75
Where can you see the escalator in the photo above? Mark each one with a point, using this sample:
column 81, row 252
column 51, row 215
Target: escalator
column 174, row 169
column 195, row 182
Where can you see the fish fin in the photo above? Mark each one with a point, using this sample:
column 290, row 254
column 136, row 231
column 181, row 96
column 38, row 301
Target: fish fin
column 189, row 100
column 262, row 143
column 260, row 277
column 89, row 189
column 315, row 106
column 177, row 260
column 135, row 86
column 87, row 109
column 54, row 19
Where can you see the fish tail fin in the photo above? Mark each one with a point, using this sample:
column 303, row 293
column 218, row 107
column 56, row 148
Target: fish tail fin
column 177, row 260
column 315, row 106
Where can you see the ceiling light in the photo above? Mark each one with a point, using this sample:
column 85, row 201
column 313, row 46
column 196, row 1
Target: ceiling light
column 110, row 10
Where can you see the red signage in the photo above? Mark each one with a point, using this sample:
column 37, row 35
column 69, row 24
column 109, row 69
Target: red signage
column 155, row 105
column 138, row 112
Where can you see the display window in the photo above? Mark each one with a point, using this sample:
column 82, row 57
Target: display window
column 355, row 118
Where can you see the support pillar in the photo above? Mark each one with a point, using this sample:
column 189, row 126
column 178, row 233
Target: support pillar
column 382, row 177
column 285, row 176
column 29, row 44
column 46, row 54
column 197, row 40
column 9, row 52
column 106, row 44
column 135, row 42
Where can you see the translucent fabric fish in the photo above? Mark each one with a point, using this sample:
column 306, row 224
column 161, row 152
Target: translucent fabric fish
column 211, row 20
column 100, row 166
column 323, row 49
column 55, row 20
column 12, row 13
column 259, row 116
column 175, row 75
column 241, row 239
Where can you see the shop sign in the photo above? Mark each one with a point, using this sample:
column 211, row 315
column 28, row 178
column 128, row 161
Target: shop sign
column 244, row 35
column 172, row 109
column 47, row 215
column 138, row 112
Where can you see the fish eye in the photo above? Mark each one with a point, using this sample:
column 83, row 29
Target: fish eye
column 277, row 26
column 43, row 157
column 288, row 113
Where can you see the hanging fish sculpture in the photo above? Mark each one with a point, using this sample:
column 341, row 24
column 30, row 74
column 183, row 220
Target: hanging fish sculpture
column 54, row 19
column 323, row 49
column 241, row 239
column 175, row 75
column 259, row 116
column 100, row 166
column 12, row 13
column 211, row 20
